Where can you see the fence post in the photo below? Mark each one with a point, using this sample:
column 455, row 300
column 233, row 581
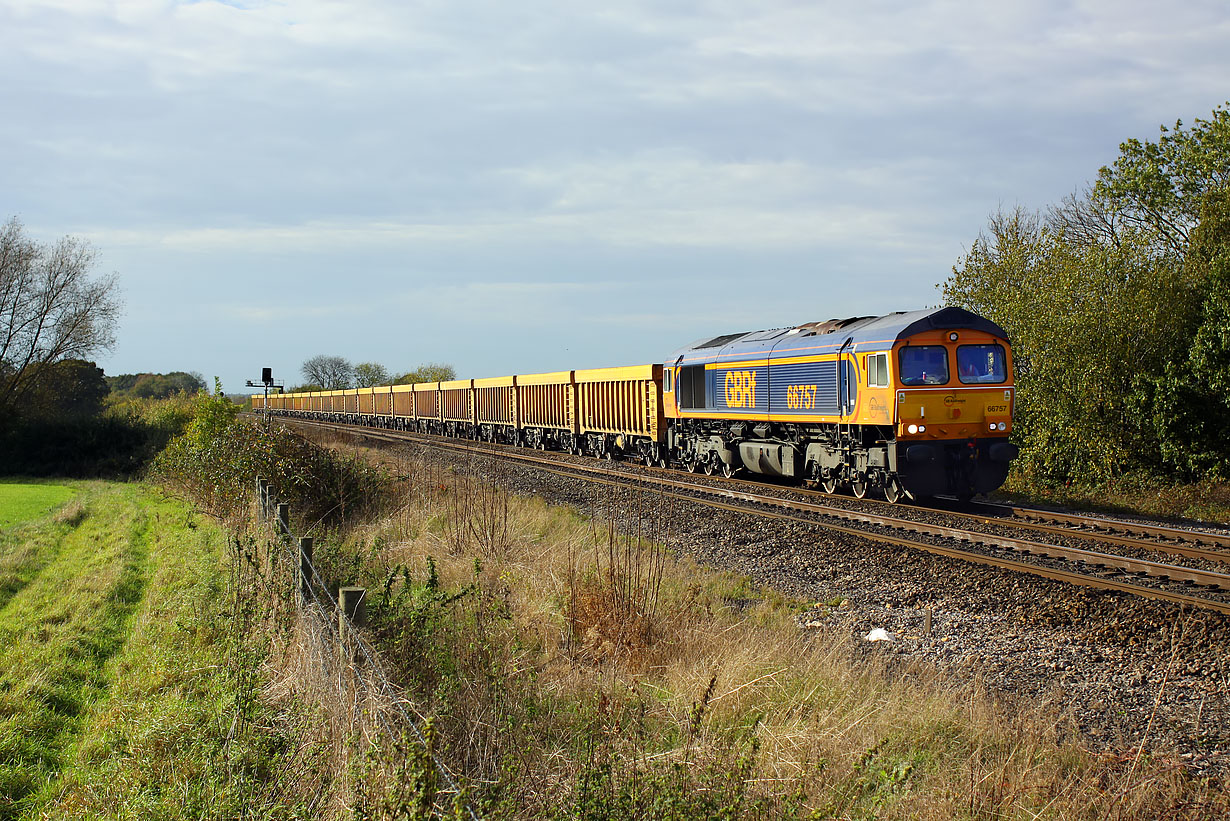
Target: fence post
column 352, row 602
column 283, row 519
column 305, row 569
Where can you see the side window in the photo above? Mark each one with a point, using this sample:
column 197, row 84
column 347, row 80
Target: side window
column 691, row 388
column 877, row 370
column 666, row 380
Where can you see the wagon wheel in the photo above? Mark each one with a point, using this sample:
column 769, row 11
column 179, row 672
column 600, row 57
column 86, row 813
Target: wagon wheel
column 728, row 470
column 859, row 486
column 892, row 491
column 662, row 462
column 829, row 484
column 608, row 455
column 690, row 463
column 648, row 459
column 710, row 468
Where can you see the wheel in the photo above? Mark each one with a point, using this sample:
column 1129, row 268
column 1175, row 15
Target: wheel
column 609, row 455
column 648, row 459
column 662, row 463
column 728, row 470
column 892, row 491
column 690, row 464
column 859, row 487
column 710, row 467
column 829, row 485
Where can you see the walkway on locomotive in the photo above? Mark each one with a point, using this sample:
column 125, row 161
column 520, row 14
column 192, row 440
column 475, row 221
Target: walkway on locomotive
column 791, row 374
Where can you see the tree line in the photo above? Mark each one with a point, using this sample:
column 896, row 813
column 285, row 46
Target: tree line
column 1117, row 304
column 334, row 373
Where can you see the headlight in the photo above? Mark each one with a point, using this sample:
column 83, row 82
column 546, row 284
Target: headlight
column 1003, row 425
column 992, row 426
column 911, row 429
column 922, row 428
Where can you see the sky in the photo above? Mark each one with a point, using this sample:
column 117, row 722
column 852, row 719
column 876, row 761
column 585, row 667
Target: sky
column 517, row 187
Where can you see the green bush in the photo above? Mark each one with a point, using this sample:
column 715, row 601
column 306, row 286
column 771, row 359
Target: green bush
column 219, row 456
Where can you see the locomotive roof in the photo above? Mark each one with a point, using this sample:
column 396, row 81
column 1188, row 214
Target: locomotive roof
column 862, row 331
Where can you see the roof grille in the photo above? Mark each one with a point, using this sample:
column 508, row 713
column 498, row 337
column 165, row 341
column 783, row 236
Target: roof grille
column 719, row 341
column 828, row 326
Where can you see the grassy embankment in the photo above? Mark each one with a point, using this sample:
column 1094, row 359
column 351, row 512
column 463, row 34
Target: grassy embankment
column 121, row 681
column 1130, row 494
column 574, row 673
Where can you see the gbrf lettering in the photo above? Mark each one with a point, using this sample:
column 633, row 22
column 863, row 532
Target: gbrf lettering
column 741, row 389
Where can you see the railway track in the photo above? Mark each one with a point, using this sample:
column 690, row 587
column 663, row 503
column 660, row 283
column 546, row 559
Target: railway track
column 1089, row 568
column 1172, row 541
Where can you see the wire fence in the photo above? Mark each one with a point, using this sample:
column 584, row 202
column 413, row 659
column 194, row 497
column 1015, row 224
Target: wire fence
column 364, row 702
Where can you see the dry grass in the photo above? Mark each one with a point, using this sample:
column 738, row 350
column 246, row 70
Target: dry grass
column 584, row 651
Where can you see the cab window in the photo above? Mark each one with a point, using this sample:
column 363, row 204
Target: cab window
column 666, row 379
column 924, row 365
column 981, row 363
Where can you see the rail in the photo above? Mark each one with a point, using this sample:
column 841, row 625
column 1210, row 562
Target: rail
column 883, row 528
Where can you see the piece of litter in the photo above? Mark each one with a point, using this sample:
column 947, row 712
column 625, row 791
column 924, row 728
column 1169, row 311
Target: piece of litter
column 879, row 634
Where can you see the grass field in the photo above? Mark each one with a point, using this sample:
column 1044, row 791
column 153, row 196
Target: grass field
column 22, row 501
column 118, row 672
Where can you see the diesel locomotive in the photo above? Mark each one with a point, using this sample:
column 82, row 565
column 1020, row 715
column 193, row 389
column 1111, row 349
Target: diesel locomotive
column 914, row 404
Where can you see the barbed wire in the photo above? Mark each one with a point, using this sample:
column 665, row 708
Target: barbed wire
column 371, row 656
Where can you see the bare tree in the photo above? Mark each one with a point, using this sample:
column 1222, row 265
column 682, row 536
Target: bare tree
column 332, row 373
column 370, row 374
column 50, row 308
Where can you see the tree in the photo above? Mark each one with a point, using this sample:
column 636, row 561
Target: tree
column 68, row 389
column 51, row 309
column 155, row 385
column 1159, row 188
column 370, row 374
column 332, row 373
column 431, row 372
column 1117, row 305
column 1190, row 406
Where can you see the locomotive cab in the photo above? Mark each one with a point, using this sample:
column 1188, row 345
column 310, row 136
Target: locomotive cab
column 953, row 411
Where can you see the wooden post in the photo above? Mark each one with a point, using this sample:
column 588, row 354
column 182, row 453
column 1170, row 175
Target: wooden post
column 927, row 623
column 352, row 603
column 283, row 519
column 305, row 569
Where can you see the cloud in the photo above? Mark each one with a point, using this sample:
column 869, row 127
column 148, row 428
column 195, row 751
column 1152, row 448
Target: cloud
column 476, row 155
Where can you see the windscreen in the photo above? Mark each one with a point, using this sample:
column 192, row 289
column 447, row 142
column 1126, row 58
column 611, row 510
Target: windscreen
column 981, row 363
column 924, row 365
